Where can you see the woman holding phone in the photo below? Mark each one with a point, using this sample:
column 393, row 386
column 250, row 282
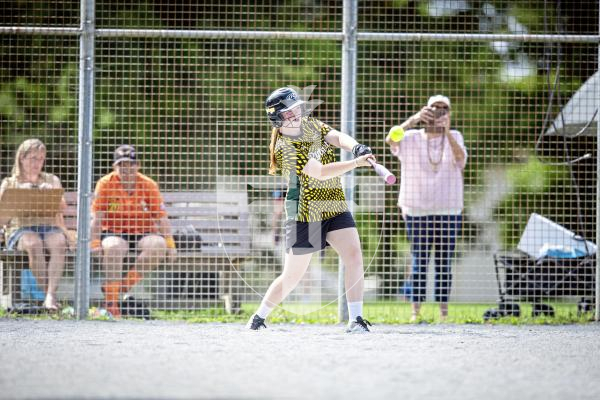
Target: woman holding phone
column 432, row 161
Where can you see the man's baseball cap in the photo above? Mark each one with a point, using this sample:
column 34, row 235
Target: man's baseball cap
column 438, row 98
column 124, row 153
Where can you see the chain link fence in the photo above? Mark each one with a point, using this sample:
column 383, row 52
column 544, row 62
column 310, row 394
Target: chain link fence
column 184, row 83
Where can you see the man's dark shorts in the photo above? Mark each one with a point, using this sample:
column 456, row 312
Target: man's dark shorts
column 310, row 237
column 132, row 238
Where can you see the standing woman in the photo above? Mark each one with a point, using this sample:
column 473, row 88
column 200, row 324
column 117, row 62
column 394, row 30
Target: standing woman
column 431, row 195
column 302, row 149
column 37, row 235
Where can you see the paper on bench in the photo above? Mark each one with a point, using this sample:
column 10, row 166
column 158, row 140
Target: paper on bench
column 540, row 233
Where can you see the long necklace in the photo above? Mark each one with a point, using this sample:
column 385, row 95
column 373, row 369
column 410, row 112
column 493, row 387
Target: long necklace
column 435, row 164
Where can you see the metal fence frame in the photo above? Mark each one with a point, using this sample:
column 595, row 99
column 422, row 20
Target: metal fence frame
column 349, row 38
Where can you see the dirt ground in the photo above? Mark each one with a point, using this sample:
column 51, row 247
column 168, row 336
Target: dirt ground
column 175, row 360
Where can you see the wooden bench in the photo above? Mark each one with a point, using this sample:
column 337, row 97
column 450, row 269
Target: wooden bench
column 201, row 275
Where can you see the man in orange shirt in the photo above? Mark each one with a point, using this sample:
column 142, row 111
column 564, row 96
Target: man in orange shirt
column 128, row 215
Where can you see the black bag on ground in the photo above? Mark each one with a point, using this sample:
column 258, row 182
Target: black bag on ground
column 187, row 238
column 27, row 309
column 130, row 307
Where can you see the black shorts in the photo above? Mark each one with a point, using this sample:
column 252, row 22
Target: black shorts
column 309, row 237
column 132, row 238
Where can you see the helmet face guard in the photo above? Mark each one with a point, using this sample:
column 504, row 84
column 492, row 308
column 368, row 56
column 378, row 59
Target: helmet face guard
column 281, row 100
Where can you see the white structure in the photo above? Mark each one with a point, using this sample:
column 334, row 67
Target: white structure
column 581, row 110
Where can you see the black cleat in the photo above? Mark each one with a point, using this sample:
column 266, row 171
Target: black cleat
column 256, row 323
column 359, row 326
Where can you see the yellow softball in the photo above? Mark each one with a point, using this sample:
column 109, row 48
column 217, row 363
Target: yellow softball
column 396, row 133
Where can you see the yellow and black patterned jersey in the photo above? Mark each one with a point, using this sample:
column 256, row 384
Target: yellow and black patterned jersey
column 309, row 199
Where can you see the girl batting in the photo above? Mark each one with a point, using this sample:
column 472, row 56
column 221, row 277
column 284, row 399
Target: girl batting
column 302, row 149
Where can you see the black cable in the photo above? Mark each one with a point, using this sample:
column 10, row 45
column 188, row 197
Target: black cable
column 555, row 88
column 552, row 89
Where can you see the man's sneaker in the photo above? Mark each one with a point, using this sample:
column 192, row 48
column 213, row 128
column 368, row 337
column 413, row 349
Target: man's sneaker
column 256, row 323
column 359, row 326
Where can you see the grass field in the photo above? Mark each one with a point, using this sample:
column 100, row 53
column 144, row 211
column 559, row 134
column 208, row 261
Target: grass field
column 377, row 313
column 382, row 313
column 386, row 313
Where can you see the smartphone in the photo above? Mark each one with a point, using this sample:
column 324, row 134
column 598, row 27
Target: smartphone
column 437, row 113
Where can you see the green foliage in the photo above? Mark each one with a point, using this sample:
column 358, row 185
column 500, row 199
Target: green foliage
column 423, row 8
column 532, row 183
column 65, row 108
column 526, row 15
column 531, row 177
column 8, row 104
column 533, row 84
column 399, row 3
column 50, row 104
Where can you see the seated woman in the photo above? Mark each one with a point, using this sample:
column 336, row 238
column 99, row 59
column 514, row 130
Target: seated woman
column 37, row 235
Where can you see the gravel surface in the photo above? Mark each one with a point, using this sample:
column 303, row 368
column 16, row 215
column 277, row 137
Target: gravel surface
column 170, row 360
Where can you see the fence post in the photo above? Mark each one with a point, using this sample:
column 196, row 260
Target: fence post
column 84, row 178
column 597, row 312
column 348, row 123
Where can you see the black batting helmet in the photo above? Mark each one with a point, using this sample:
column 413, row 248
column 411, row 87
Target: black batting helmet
column 282, row 99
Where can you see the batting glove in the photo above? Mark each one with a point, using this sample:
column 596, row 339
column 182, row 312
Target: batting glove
column 360, row 150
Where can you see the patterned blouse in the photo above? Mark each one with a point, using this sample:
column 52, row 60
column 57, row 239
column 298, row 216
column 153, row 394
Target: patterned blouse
column 309, row 199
